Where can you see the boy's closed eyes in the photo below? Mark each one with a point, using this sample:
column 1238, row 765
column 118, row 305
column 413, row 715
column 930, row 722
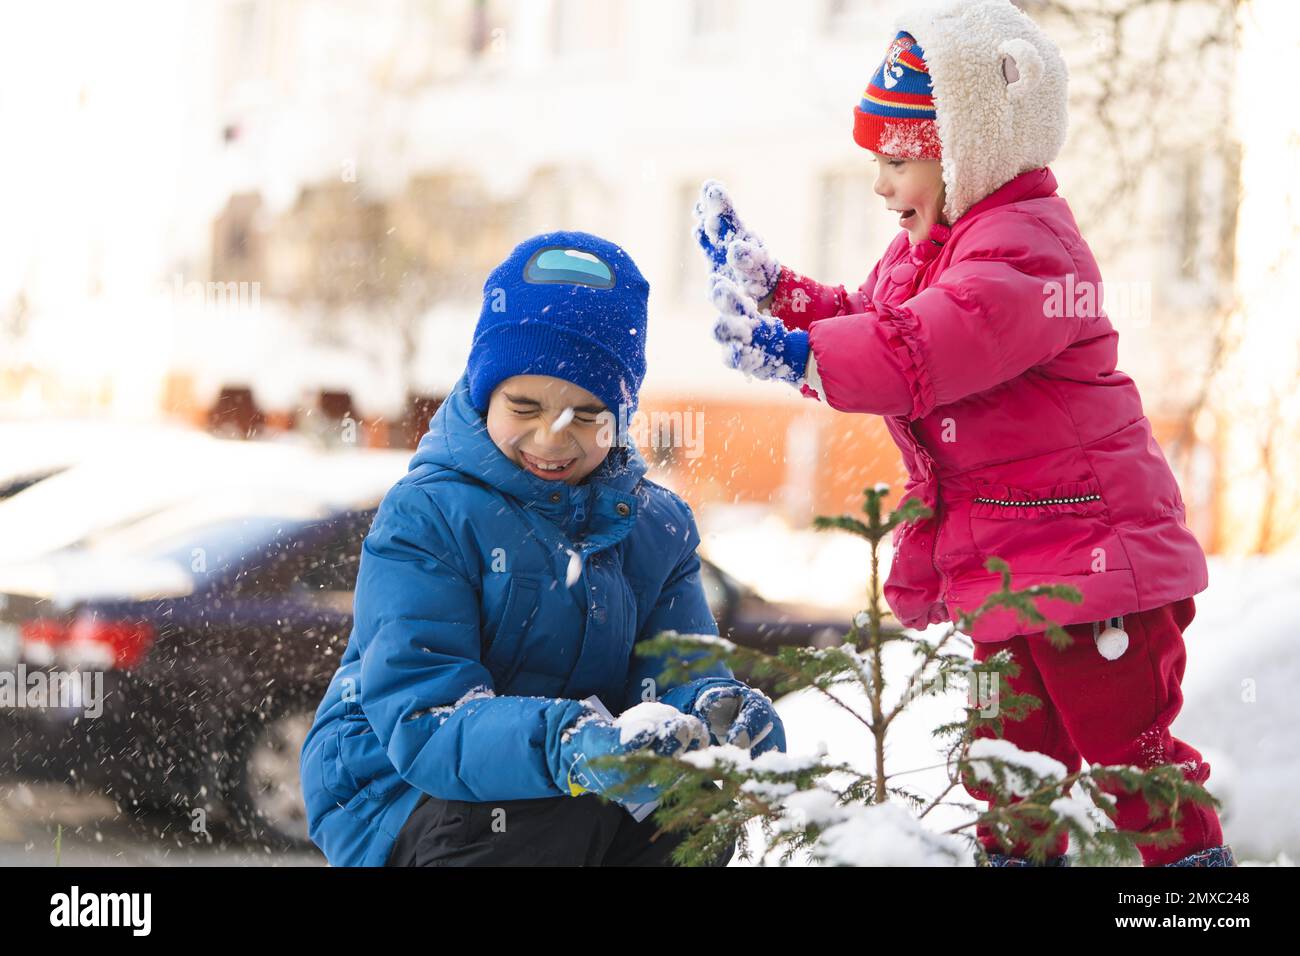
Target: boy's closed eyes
column 549, row 427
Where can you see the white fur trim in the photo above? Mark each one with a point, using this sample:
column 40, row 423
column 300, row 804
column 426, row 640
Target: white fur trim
column 812, row 377
column 992, row 130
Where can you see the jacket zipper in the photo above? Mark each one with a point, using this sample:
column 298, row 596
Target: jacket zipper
column 1029, row 503
column 934, row 545
column 938, row 521
column 937, row 517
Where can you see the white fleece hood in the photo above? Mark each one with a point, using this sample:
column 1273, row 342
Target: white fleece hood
column 999, row 86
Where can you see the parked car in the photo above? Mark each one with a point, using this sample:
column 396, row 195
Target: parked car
column 39, row 449
column 746, row 618
column 217, row 628
column 107, row 482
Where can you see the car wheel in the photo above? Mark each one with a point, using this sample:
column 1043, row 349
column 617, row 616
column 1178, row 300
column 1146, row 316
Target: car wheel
column 265, row 799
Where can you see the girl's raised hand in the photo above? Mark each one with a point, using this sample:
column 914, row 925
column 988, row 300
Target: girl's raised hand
column 757, row 345
column 733, row 250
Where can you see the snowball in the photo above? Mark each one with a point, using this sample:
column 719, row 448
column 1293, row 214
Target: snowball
column 563, row 420
column 650, row 716
column 574, row 571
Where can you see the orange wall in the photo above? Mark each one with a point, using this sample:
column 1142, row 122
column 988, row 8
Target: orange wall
column 769, row 452
column 756, row 452
column 745, row 459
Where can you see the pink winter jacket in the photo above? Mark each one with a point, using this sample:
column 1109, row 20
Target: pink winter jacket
column 1014, row 425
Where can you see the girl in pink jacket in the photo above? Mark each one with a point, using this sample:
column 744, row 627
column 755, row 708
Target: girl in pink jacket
column 980, row 338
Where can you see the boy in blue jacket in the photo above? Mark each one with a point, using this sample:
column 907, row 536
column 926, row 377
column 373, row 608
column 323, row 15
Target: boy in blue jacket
column 504, row 581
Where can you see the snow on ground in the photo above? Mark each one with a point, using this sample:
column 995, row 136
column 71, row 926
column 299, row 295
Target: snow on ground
column 1239, row 711
column 812, row 721
column 1239, row 700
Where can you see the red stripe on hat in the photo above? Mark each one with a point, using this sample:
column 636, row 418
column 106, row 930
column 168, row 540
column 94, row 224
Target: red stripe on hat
column 894, row 96
column 870, row 131
column 914, row 61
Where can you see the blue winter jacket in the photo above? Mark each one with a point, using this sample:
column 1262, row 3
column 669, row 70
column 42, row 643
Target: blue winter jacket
column 469, row 654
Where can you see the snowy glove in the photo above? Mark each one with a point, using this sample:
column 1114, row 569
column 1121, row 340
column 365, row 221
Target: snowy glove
column 756, row 345
column 732, row 249
column 741, row 717
column 659, row 727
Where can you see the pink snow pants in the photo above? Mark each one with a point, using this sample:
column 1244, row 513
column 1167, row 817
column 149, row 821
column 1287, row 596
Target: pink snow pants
column 1111, row 712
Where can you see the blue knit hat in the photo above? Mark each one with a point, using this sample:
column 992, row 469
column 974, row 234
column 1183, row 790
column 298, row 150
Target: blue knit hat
column 567, row 304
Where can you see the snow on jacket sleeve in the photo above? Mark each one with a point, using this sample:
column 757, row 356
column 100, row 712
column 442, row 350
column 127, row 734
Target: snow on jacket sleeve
column 424, row 689
column 681, row 607
column 983, row 322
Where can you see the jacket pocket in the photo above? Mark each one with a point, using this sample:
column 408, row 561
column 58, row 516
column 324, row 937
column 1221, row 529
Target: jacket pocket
column 1044, row 529
column 341, row 784
column 505, row 651
column 355, row 760
column 1009, row 503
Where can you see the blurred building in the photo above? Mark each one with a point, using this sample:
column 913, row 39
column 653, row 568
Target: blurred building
column 274, row 216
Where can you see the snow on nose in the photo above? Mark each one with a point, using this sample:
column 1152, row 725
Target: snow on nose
column 563, row 419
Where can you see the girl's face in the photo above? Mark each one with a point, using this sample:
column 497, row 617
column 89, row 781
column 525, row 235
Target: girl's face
column 540, row 422
column 914, row 189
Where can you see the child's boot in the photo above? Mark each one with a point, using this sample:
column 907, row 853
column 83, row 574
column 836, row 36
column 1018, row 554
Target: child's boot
column 1004, row 859
column 1214, row 856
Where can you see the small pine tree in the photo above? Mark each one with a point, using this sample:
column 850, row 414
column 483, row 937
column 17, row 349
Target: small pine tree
column 837, row 813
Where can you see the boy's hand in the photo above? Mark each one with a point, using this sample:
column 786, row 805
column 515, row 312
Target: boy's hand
column 758, row 346
column 742, row 717
column 662, row 729
column 732, row 249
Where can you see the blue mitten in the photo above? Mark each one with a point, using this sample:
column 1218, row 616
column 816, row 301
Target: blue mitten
column 757, row 346
column 733, row 250
column 661, row 728
column 742, row 717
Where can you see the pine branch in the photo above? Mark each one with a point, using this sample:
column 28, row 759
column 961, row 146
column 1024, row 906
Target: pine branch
column 793, row 800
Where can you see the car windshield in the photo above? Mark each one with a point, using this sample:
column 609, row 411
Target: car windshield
column 201, row 537
column 166, row 489
column 738, row 588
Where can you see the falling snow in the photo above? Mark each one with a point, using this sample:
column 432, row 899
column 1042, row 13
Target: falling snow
column 574, row 571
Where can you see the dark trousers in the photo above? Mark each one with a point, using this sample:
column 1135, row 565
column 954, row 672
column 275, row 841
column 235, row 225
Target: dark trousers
column 550, row 831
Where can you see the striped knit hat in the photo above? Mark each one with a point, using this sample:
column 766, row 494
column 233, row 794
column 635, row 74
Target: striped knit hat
column 896, row 114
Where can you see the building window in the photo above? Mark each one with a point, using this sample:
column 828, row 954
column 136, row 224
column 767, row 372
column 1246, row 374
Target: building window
column 487, row 31
column 1188, row 216
column 845, row 240
column 237, row 249
column 690, row 277
column 235, row 414
column 586, row 28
